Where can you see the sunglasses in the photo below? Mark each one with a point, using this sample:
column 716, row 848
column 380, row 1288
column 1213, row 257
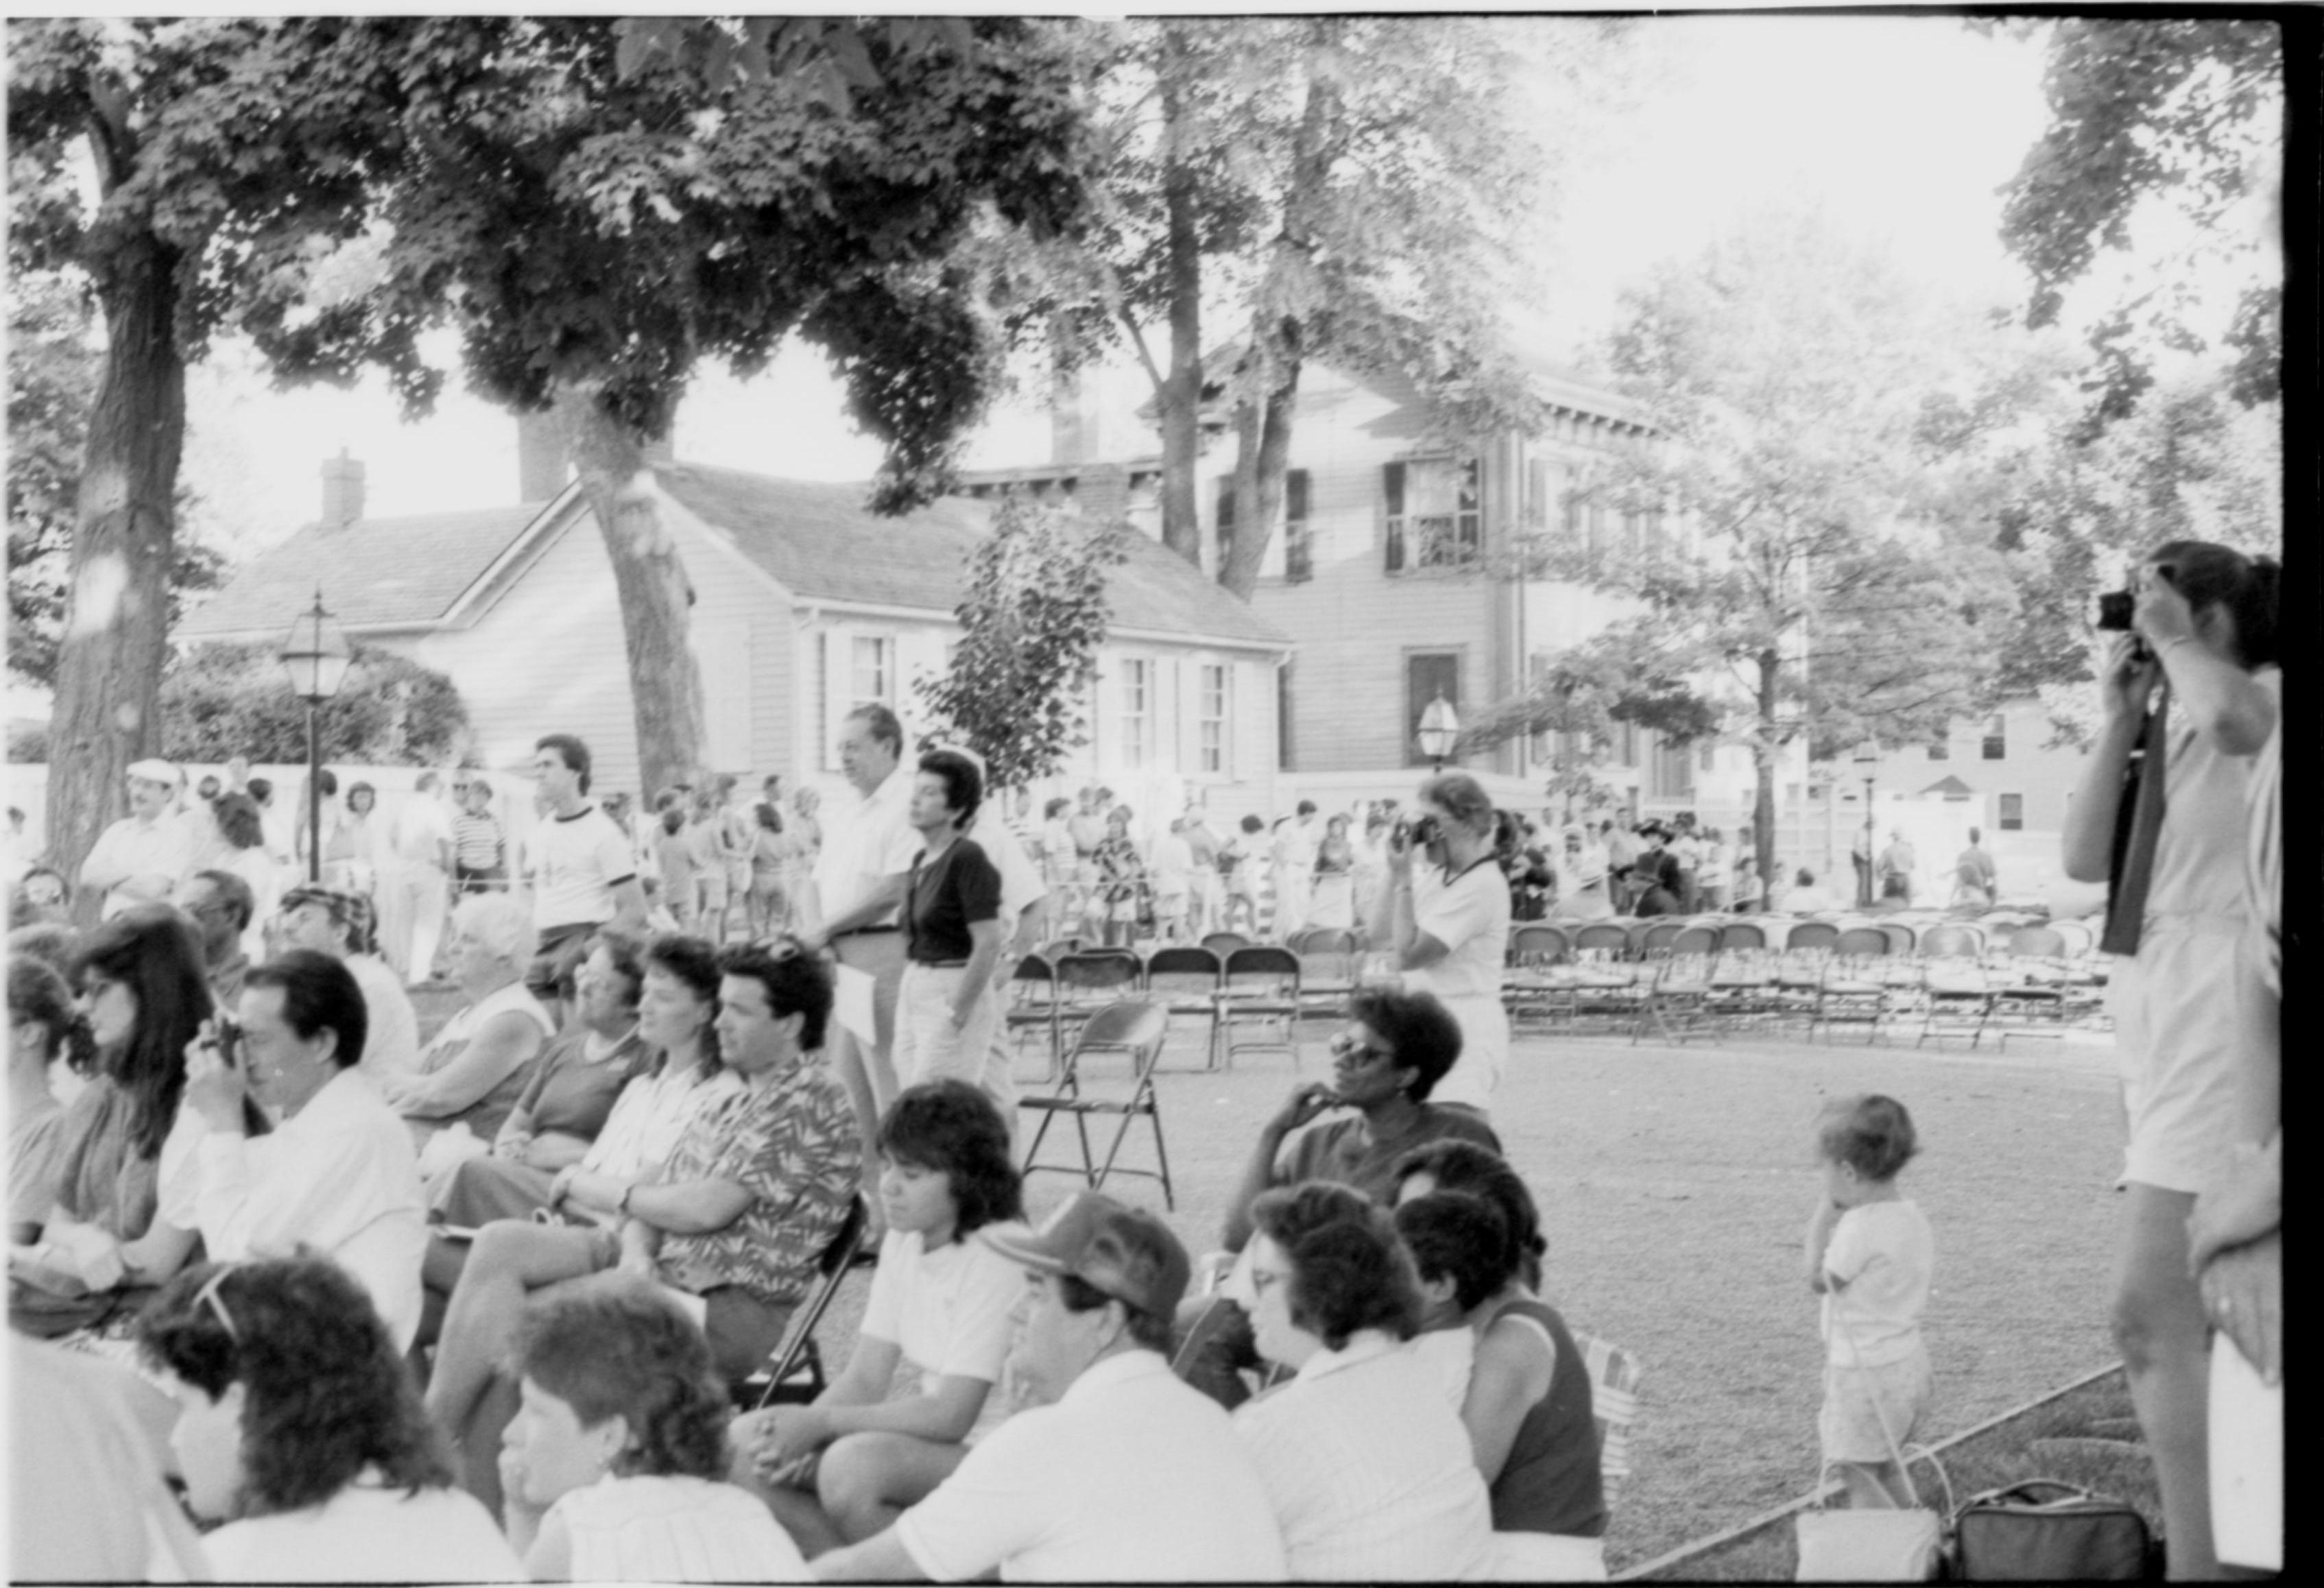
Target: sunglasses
column 209, row 1296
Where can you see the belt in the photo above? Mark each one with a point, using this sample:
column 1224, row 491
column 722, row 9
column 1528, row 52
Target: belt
column 942, row 964
column 863, row 932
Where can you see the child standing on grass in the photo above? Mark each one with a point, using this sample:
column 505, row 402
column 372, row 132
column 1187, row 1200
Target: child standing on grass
column 1869, row 1255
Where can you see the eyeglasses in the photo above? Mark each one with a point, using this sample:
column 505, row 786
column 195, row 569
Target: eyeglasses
column 209, row 1296
column 1262, row 1280
column 1345, row 1046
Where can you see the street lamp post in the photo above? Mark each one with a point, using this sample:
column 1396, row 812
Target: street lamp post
column 315, row 657
column 1868, row 762
column 1439, row 730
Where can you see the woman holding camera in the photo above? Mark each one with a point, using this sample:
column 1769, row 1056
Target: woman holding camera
column 2195, row 690
column 1447, row 924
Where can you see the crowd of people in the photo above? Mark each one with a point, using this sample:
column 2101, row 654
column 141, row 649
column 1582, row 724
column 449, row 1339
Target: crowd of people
column 478, row 1309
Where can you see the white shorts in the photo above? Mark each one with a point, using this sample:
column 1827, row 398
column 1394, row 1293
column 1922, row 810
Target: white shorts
column 2178, row 1032
column 1857, row 1401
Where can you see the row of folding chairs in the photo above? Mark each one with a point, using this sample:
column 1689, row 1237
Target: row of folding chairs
column 1543, row 942
column 1252, row 998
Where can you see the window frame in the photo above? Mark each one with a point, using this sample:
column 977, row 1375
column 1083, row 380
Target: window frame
column 1410, row 542
column 2003, row 820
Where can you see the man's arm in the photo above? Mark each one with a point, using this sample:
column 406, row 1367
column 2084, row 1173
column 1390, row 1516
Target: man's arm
column 883, row 900
column 629, row 908
column 507, row 1041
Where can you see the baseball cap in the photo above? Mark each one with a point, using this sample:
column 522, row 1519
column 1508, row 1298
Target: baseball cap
column 347, row 910
column 1125, row 1252
column 154, row 770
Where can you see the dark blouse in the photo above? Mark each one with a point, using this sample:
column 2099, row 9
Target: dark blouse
column 949, row 894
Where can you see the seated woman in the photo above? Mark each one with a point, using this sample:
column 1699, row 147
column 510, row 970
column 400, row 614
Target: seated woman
column 581, row 1072
column 614, row 1461
column 1400, row 1497
column 753, row 1195
column 674, row 999
column 919, row 1388
column 99, row 1248
column 474, row 1070
column 298, row 1427
column 1529, row 1411
column 1456, row 1242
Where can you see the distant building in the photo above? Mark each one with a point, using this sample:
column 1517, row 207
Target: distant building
column 804, row 605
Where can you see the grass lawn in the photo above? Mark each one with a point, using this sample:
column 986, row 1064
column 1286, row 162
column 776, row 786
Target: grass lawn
column 1676, row 1185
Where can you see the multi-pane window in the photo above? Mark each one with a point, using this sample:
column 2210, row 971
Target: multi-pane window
column 1996, row 738
column 1212, row 720
column 1939, row 749
column 1435, row 512
column 873, row 670
column 1226, row 519
column 1137, row 711
column 2012, row 813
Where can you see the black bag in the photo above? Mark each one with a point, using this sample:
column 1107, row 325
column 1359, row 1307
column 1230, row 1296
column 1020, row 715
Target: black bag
column 2042, row 1530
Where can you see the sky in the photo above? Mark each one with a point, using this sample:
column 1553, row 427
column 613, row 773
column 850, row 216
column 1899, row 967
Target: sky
column 1904, row 125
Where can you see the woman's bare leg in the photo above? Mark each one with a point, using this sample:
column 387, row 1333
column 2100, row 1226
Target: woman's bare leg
column 2165, row 1343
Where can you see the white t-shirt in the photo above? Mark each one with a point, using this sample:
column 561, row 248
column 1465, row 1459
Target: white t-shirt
column 368, row 1534
column 575, row 860
column 675, row 1529
column 949, row 1311
column 1369, row 1471
column 132, row 848
column 1134, row 1475
column 864, row 841
column 1470, row 916
column 1883, row 1253
column 392, row 1042
column 422, row 827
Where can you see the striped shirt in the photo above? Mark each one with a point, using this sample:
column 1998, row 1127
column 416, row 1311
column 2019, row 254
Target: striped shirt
column 476, row 841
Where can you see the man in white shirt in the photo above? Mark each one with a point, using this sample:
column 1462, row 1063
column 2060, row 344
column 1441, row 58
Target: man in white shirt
column 1024, row 900
column 415, row 895
column 1118, row 1470
column 339, row 1174
column 861, row 876
column 1294, row 871
column 585, row 874
column 141, row 858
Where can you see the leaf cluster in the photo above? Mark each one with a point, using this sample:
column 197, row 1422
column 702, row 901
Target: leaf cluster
column 220, row 701
column 1032, row 618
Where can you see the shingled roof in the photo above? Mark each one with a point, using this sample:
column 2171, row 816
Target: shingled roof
column 375, row 573
column 821, row 543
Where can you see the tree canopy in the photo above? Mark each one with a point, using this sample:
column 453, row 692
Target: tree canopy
column 221, row 701
column 2151, row 118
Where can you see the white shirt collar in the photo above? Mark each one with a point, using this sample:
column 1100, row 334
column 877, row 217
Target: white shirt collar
column 1362, row 1346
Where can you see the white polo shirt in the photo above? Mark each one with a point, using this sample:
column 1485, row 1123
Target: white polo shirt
column 135, row 848
column 1368, row 1468
column 1133, row 1475
column 864, row 841
column 575, row 860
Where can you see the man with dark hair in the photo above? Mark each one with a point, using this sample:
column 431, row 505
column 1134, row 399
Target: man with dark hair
column 584, row 872
column 861, row 875
column 338, row 1175
column 1120, row 1471
column 337, row 923
column 1395, row 1047
column 221, row 904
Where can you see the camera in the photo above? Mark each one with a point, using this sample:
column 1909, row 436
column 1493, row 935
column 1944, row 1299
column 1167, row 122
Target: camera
column 225, row 1035
column 1410, row 832
column 2114, row 608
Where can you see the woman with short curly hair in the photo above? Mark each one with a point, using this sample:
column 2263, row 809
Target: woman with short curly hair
column 613, row 1465
column 299, row 1428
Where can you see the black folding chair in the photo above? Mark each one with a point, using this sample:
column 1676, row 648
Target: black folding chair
column 1088, row 980
column 798, row 1357
column 1260, row 983
column 1186, row 981
column 1134, row 1027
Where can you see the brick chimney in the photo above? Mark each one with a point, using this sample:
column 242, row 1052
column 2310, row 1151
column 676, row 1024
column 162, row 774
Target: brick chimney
column 343, row 491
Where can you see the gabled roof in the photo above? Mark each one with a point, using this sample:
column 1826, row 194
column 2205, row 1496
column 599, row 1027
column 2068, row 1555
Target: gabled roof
column 375, row 573
column 1951, row 788
column 821, row 543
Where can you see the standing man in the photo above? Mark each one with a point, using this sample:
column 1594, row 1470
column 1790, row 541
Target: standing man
column 1209, row 896
column 1896, row 864
column 1621, row 854
column 1024, row 909
column 861, row 876
column 1974, row 879
column 585, row 875
column 1859, row 855
column 139, row 859
column 418, row 884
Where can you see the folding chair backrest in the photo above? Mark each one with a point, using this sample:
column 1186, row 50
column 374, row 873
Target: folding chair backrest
column 1539, row 945
column 1102, row 970
column 1641, row 936
column 1810, row 934
column 1740, row 934
column 1603, row 937
column 1325, row 940
column 1224, row 943
column 1614, row 1376
column 1694, row 941
column 2037, row 943
column 1262, row 960
column 1900, row 937
column 1058, row 948
column 1033, row 968
column 1950, row 942
column 830, row 1267
column 1128, row 1025
column 1862, row 942
column 2079, row 937
column 1657, row 937
column 1182, row 969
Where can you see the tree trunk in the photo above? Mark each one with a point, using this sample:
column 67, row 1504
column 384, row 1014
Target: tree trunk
column 116, row 616
column 1764, row 746
column 665, row 682
column 1262, row 452
column 1181, row 395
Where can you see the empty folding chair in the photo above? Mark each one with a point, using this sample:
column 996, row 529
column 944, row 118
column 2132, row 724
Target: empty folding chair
column 1535, row 982
column 1676, row 998
column 1088, row 980
column 1259, row 984
column 1185, row 982
column 1224, row 943
column 1810, row 934
column 1136, row 1028
column 1033, row 1006
column 1955, row 998
column 1742, row 937
column 794, row 1369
